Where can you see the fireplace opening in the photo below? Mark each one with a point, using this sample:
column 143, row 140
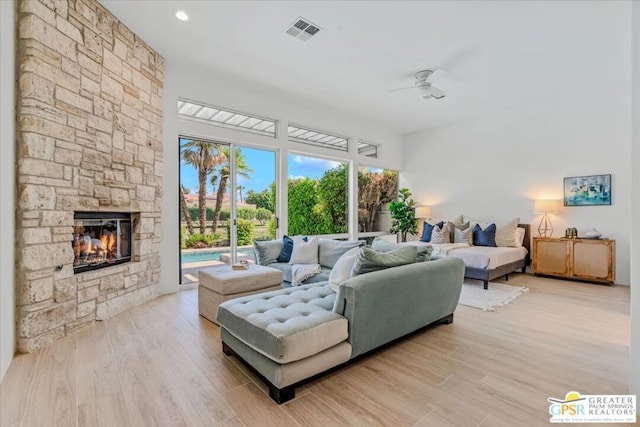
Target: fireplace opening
column 100, row 239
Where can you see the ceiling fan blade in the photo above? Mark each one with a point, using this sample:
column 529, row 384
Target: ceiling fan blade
column 438, row 74
column 401, row 88
column 437, row 93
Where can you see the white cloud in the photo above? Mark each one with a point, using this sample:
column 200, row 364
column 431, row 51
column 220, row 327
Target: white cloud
column 297, row 177
column 315, row 162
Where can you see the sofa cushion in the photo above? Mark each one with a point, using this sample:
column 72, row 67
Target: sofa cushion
column 369, row 260
column 305, row 251
column 342, row 269
column 267, row 252
column 329, row 250
column 288, row 324
column 424, row 253
column 383, row 245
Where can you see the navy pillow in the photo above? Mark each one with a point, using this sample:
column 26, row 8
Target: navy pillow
column 287, row 249
column 427, row 229
column 486, row 237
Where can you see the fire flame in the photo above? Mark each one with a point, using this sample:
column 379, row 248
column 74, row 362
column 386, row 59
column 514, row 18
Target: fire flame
column 108, row 242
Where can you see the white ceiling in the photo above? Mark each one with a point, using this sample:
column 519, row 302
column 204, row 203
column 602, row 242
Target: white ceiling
column 498, row 54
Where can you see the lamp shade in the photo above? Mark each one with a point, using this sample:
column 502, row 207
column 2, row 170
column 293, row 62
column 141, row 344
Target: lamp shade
column 545, row 206
column 423, row 212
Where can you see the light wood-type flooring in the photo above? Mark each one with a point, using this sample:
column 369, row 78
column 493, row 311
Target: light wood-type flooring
column 161, row 364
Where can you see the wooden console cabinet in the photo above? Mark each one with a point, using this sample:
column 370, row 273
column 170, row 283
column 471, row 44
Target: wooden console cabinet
column 580, row 259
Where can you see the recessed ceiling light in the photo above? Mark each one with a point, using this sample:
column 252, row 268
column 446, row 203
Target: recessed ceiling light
column 182, row 15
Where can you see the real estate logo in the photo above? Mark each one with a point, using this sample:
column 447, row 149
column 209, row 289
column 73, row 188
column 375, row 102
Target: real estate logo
column 593, row 408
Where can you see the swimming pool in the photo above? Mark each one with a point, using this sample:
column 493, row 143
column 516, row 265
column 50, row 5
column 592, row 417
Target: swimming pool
column 210, row 255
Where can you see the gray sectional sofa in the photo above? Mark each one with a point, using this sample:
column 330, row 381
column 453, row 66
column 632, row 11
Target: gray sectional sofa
column 293, row 334
column 329, row 251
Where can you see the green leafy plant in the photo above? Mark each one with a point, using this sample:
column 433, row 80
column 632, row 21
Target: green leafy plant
column 245, row 232
column 198, row 240
column 403, row 214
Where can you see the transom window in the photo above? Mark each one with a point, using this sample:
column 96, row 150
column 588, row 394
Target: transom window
column 315, row 137
column 367, row 149
column 226, row 118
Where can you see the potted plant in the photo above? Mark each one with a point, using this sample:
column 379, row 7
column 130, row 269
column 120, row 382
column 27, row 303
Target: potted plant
column 403, row 214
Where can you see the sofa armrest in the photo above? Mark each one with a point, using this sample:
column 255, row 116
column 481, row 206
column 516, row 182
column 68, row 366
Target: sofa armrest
column 385, row 305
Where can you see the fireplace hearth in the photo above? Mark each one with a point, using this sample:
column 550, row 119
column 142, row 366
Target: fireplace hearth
column 100, row 239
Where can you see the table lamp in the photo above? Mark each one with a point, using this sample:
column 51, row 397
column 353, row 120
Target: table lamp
column 545, row 207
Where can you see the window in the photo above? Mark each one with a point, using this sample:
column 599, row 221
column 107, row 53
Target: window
column 318, row 191
column 226, row 118
column 367, row 149
column 376, row 188
column 314, row 137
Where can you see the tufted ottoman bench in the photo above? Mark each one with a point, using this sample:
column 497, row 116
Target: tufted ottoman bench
column 289, row 335
column 221, row 283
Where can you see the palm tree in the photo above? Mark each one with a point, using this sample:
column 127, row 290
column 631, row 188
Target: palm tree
column 204, row 157
column 242, row 169
column 185, row 210
column 240, row 188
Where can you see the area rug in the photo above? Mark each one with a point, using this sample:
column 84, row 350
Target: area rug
column 498, row 294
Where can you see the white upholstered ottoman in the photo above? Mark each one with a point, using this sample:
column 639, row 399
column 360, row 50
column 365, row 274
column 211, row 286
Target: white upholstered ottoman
column 221, row 283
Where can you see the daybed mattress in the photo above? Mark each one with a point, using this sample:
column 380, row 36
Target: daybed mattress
column 484, row 257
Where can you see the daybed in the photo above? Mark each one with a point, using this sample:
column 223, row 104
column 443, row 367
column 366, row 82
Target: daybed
column 487, row 263
column 291, row 335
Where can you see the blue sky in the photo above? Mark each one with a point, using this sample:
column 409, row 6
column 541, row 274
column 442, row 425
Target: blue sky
column 263, row 164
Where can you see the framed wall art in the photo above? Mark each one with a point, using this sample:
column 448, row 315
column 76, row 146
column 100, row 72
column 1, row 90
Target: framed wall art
column 590, row 190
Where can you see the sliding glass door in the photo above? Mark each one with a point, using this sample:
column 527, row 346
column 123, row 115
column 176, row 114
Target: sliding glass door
column 255, row 199
column 227, row 201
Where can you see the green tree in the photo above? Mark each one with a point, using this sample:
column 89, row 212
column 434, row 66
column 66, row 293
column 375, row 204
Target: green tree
column 261, row 199
column 263, row 215
column 246, row 213
column 204, row 157
column 403, row 214
column 333, row 190
column 302, row 199
column 223, row 172
column 374, row 190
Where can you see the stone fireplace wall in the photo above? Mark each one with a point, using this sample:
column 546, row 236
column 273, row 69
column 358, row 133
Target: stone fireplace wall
column 89, row 137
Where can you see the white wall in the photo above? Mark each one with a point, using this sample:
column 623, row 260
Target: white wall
column 192, row 82
column 7, row 184
column 493, row 166
column 634, row 354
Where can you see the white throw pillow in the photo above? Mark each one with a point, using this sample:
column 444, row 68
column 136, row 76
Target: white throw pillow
column 519, row 237
column 304, row 252
column 506, row 233
column 342, row 268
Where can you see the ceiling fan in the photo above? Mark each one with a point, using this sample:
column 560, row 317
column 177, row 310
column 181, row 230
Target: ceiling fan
column 424, row 86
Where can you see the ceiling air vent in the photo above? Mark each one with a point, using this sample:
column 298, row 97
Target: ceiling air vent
column 302, row 29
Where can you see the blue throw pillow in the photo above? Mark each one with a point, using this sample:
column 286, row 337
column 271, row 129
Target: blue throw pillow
column 427, row 229
column 287, row 249
column 486, row 237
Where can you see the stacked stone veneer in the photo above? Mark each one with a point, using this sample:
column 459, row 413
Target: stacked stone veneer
column 89, row 135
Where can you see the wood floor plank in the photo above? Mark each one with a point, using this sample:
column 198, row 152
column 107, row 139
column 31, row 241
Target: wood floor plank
column 16, row 387
column 162, row 364
column 254, row 408
column 54, row 392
